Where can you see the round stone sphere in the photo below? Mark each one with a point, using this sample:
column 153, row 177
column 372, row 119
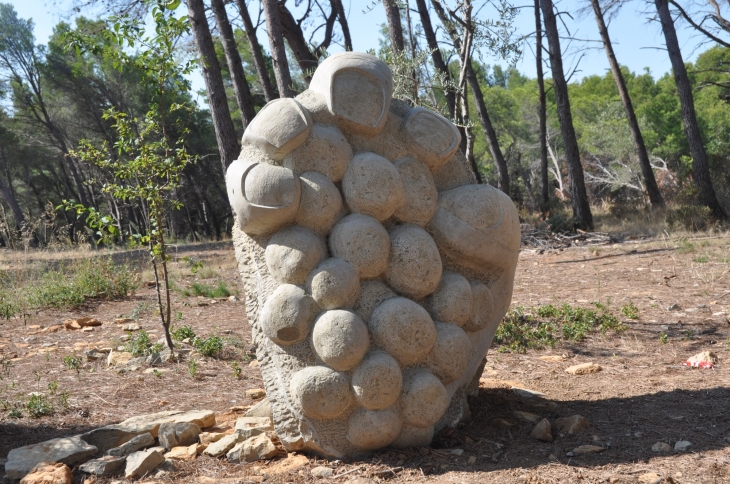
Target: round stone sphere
column 414, row 266
column 321, row 393
column 363, row 242
column 482, row 307
column 286, row 317
column 372, row 293
column 404, row 329
column 340, row 339
column 420, row 195
column 372, row 186
column 413, row 437
column 424, row 399
column 373, row 429
column 320, row 205
column 334, row 284
column 452, row 299
column 377, row 381
column 326, row 151
column 292, row 253
column 450, row 355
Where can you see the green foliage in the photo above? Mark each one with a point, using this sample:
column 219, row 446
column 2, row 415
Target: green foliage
column 193, row 263
column 73, row 362
column 685, row 247
column 208, row 346
column 630, row 311
column 236, row 369
column 663, row 338
column 69, row 286
column 701, row 259
column 183, row 332
column 140, row 344
column 690, row 217
column 544, row 326
column 192, row 367
column 39, row 406
column 199, row 289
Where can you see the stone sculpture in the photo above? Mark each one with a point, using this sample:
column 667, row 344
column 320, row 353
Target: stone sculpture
column 376, row 270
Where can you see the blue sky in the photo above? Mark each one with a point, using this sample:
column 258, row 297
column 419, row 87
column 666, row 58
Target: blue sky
column 637, row 40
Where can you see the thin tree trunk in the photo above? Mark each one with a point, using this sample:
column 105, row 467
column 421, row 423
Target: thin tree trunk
column 542, row 114
column 395, row 29
column 278, row 51
column 225, row 135
column 700, row 166
column 342, row 18
column 488, row 129
column 14, row 207
column 438, row 60
column 652, row 189
column 579, row 197
column 294, row 36
column 235, row 66
column 258, row 56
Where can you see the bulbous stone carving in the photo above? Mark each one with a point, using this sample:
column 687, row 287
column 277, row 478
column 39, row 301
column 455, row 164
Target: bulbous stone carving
column 376, row 270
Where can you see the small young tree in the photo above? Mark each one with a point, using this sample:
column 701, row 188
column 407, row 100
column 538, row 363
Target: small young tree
column 148, row 158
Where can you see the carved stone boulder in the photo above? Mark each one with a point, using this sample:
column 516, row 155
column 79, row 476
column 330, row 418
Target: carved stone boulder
column 376, row 270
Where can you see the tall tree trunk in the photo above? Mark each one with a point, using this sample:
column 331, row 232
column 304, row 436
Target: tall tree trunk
column 225, row 135
column 488, row 129
column 395, row 29
column 542, row 114
column 652, row 189
column 14, row 206
column 438, row 60
column 278, row 51
column 471, row 78
column 342, row 18
column 294, row 36
column 579, row 197
column 258, row 56
column 235, row 66
column 700, row 167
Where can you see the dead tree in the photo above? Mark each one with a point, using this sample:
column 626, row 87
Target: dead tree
column 542, row 113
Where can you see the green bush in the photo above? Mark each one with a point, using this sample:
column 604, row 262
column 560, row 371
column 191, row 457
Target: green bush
column 183, row 332
column 198, row 289
column 691, row 217
column 141, row 345
column 208, row 346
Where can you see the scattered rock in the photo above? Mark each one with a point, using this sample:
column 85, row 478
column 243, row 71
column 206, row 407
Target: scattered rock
column 542, row 431
column 117, row 358
column 682, row 445
column 143, row 462
column 180, row 434
column 256, row 393
column 223, row 445
column 289, row 463
column 472, row 460
column 661, row 447
column 553, row 358
column 52, row 329
column 588, row 449
column 123, row 320
column 207, row 438
column 71, row 324
column 526, row 416
column 457, row 452
column 705, row 356
column 115, row 435
column 87, row 329
column 674, row 307
column 572, row 424
column 583, row 369
column 261, row 409
column 248, row 427
column 103, row 466
column 130, row 327
column 69, row 450
column 232, row 298
column 188, row 452
column 322, row 472
column 159, row 371
column 81, row 323
column 650, row 478
column 253, row 449
column 361, row 480
column 94, row 354
column 49, row 473
column 526, row 392
column 254, row 364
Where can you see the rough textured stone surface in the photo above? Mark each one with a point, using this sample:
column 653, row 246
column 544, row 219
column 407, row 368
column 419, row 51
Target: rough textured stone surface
column 573, row 424
column 248, row 427
column 139, row 442
column 49, row 473
column 255, row 448
column 103, row 466
column 375, row 337
column 69, row 450
column 143, row 462
column 542, row 431
column 178, row 434
column 223, row 445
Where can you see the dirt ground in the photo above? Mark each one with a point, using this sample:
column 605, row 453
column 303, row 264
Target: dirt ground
column 642, row 396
